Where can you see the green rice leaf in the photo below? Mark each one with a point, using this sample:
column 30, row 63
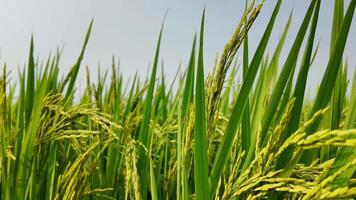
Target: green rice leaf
column 200, row 134
column 144, row 134
column 328, row 82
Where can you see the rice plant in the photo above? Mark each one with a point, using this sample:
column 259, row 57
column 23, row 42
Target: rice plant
column 213, row 137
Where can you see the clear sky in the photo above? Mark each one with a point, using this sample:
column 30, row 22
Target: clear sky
column 128, row 29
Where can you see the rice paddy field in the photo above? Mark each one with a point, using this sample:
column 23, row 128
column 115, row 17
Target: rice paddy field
column 204, row 135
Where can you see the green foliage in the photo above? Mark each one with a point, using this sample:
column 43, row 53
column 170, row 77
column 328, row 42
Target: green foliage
column 212, row 137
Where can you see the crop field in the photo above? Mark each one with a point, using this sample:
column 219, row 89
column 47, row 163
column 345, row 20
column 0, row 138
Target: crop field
column 245, row 130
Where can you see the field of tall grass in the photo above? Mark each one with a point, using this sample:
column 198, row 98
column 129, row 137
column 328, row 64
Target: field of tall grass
column 200, row 136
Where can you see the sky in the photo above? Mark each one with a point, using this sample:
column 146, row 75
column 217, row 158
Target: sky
column 128, row 29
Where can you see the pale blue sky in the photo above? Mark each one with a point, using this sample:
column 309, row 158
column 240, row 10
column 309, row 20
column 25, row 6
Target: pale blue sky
column 129, row 29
